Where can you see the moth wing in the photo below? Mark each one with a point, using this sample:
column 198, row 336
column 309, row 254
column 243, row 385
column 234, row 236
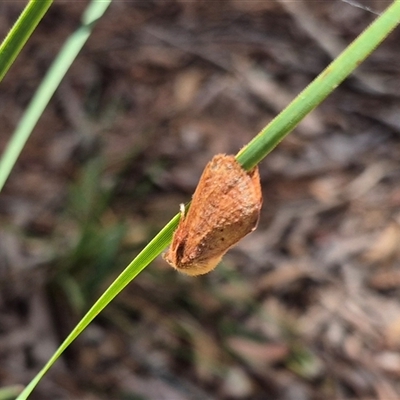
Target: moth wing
column 225, row 208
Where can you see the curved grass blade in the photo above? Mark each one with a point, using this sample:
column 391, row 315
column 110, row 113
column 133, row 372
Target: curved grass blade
column 48, row 86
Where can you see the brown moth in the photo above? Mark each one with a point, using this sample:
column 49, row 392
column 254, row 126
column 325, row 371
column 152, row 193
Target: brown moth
column 225, row 207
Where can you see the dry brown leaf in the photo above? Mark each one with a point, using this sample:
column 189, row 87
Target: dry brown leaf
column 386, row 245
column 256, row 353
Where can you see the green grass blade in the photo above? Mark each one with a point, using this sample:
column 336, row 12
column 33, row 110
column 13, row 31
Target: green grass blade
column 20, row 33
column 320, row 88
column 269, row 137
column 148, row 254
column 48, row 86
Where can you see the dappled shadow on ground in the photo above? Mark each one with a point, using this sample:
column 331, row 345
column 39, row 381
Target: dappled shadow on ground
column 306, row 307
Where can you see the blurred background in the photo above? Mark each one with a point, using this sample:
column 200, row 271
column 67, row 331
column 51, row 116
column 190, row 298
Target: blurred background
column 306, row 307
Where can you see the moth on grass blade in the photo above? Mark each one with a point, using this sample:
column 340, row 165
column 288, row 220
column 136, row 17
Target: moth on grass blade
column 225, row 207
